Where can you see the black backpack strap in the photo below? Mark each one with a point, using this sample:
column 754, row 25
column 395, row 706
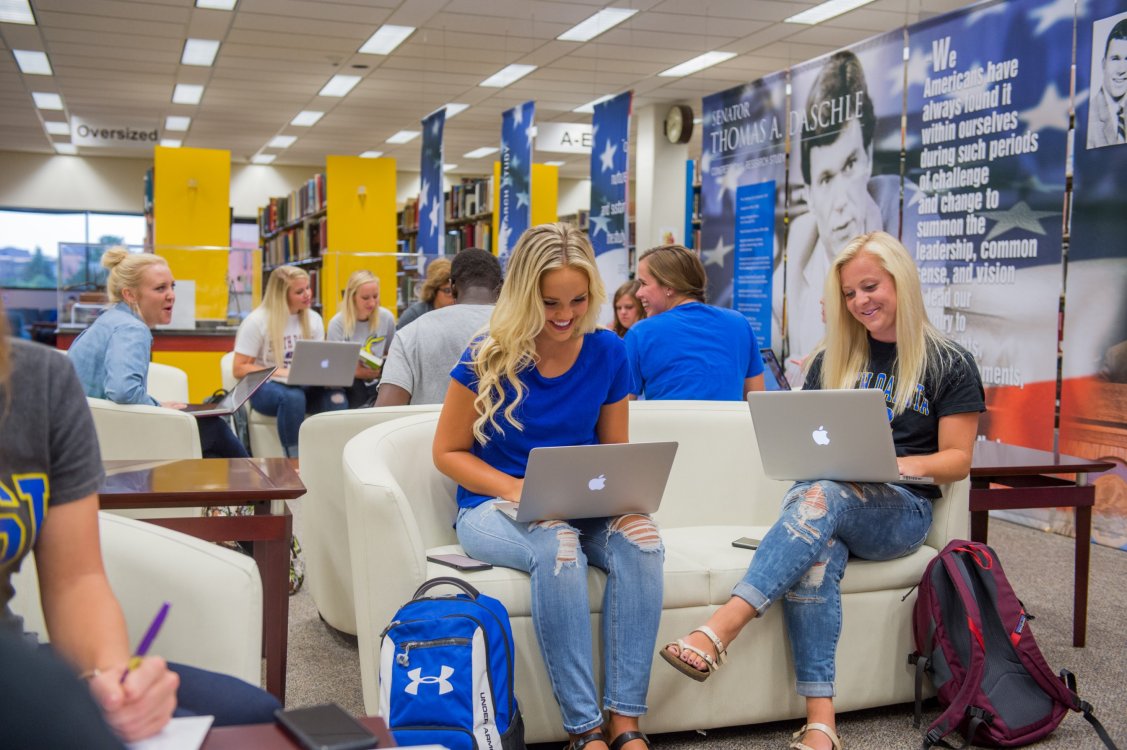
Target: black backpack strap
column 1085, row 709
column 921, row 663
column 441, row 580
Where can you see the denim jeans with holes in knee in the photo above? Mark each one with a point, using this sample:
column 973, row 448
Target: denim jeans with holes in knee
column 802, row 559
column 556, row 554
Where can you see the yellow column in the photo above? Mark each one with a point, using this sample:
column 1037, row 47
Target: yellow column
column 360, row 205
column 545, row 198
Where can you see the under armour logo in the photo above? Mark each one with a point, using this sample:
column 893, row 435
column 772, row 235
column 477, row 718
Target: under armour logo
column 443, row 680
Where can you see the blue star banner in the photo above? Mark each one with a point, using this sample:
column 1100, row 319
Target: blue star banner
column 987, row 116
column 517, row 130
column 432, row 210
column 845, row 115
column 610, row 209
column 1093, row 420
column 743, row 179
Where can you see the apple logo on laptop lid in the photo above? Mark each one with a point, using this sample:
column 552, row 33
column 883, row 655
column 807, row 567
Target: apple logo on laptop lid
column 598, row 483
column 821, row 437
column 325, row 364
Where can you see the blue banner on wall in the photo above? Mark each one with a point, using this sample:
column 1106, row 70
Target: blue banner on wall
column 432, row 212
column 517, row 129
column 743, row 147
column 845, row 115
column 609, row 221
column 985, row 172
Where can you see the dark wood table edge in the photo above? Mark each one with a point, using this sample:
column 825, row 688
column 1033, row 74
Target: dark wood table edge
column 273, row 737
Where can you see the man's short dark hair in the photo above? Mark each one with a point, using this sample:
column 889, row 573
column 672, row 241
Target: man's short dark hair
column 474, row 267
column 1118, row 31
column 842, row 75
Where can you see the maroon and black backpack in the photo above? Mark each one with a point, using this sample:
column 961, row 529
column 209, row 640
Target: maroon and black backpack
column 974, row 642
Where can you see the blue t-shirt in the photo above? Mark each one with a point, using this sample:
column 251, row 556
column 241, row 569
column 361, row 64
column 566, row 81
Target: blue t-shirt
column 693, row 351
column 554, row 411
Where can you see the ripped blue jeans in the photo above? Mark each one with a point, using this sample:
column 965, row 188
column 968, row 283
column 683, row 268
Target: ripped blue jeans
column 556, row 554
column 802, row 559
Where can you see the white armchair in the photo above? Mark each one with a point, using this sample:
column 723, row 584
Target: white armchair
column 324, row 522
column 262, row 430
column 167, row 383
column 215, row 621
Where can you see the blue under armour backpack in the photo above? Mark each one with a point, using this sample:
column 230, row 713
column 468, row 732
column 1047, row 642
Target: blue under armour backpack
column 446, row 672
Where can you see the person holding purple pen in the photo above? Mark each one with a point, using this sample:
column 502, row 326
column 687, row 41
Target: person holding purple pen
column 50, row 472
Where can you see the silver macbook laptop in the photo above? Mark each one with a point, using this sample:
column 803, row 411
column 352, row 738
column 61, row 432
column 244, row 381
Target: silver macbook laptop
column 235, row 397
column 841, row 435
column 592, row 481
column 327, row 363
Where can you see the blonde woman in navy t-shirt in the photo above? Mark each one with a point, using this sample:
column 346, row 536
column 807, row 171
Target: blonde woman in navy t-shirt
column 685, row 349
column 546, row 375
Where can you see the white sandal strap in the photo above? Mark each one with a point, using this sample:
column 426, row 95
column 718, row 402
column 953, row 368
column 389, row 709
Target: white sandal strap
column 819, row 727
column 721, row 652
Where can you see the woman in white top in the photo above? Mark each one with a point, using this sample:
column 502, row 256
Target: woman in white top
column 267, row 339
column 363, row 321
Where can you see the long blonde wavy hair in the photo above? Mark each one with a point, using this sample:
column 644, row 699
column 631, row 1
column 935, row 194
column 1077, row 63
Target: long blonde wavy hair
column 348, row 314
column 275, row 301
column 518, row 318
column 921, row 348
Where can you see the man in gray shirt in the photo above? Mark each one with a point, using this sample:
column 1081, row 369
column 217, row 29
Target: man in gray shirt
column 417, row 369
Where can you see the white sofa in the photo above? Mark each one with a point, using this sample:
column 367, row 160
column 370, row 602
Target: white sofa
column 215, row 621
column 324, row 526
column 167, row 383
column 400, row 508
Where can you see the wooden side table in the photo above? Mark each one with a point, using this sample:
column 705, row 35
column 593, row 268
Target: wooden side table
column 206, row 482
column 1009, row 477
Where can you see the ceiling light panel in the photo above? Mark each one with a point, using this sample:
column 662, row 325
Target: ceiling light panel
column 339, row 85
column 589, row 107
column 16, row 11
column 171, row 142
column 175, row 122
column 282, row 141
column 216, row 4
column 386, row 39
column 448, row 167
column 200, row 52
column 454, row 108
column 306, row 118
column 555, row 163
column 825, row 11
column 66, row 148
column 57, row 128
column 507, row 75
column 480, row 153
column 371, row 154
column 45, row 100
column 404, row 136
column 263, row 158
column 604, row 20
column 33, row 62
column 698, row 63
column 187, row 93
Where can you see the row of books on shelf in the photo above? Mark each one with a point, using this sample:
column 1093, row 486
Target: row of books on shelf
column 297, row 243
column 471, row 198
column 476, row 234
column 306, row 200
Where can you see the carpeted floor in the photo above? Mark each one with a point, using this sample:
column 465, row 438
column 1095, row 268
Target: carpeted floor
column 324, row 666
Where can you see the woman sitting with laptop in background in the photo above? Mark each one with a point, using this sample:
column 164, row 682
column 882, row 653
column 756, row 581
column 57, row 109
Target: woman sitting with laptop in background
column 686, row 349
column 362, row 320
column 546, row 375
column 267, row 337
column 877, row 336
column 112, row 355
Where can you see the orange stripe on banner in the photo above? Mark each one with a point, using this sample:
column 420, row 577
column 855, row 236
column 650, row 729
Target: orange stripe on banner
column 1020, row 416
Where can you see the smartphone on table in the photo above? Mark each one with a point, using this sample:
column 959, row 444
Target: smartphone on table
column 459, row 562
column 327, row 727
column 747, row 542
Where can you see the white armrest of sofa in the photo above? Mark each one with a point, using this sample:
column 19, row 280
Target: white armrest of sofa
column 400, row 509
column 324, row 527
column 167, row 383
column 215, row 621
column 142, row 432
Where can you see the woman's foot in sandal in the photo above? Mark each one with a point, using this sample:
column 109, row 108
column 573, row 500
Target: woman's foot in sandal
column 704, row 650
column 625, row 733
column 815, row 736
column 593, row 740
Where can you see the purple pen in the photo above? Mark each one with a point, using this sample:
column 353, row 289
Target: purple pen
column 147, row 640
